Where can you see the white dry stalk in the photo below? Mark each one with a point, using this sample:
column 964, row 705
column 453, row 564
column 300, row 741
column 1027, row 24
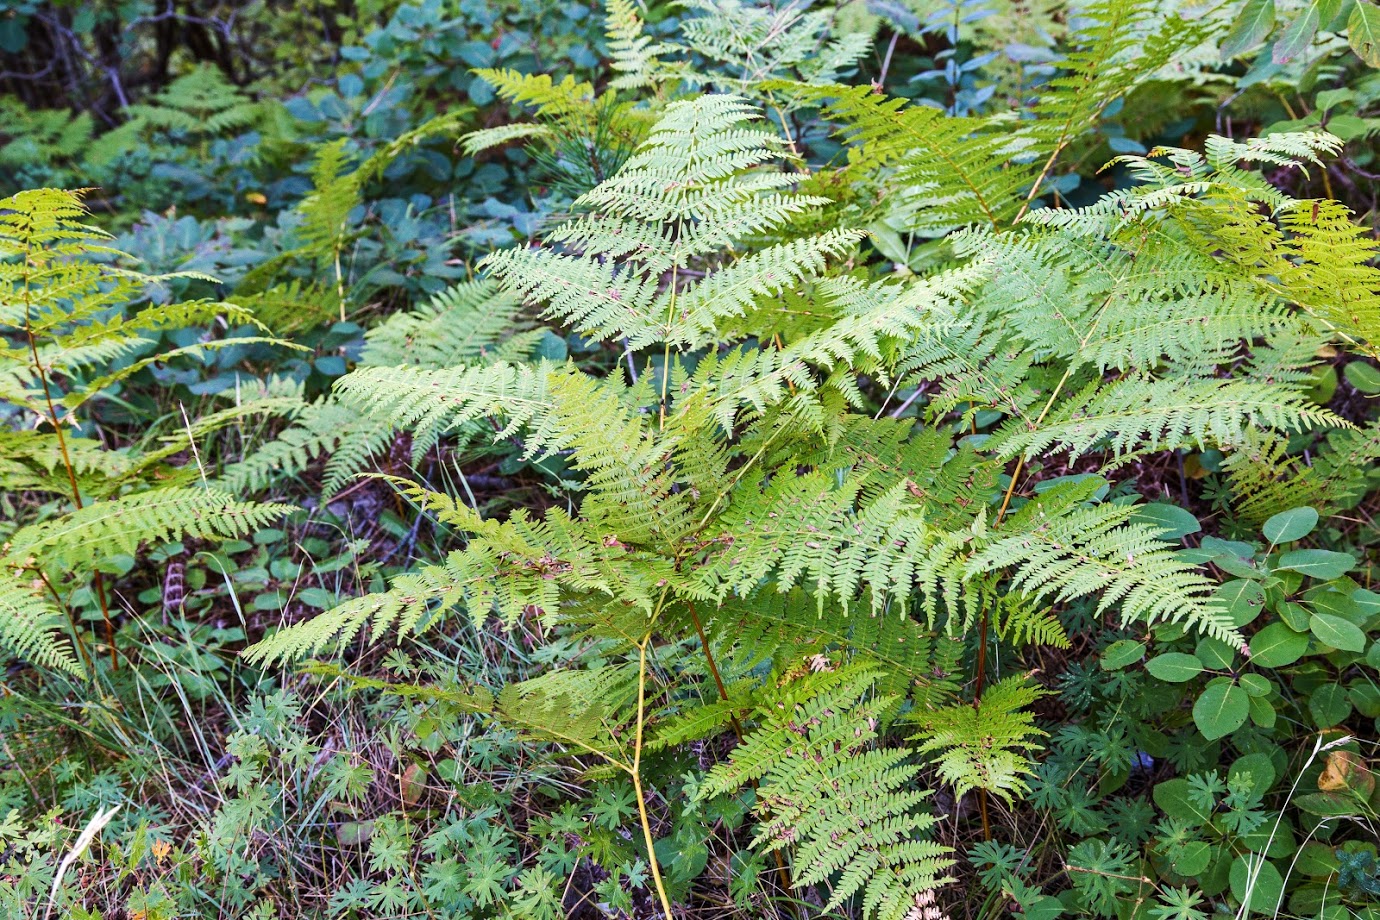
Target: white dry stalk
column 1254, row 873
column 93, row 827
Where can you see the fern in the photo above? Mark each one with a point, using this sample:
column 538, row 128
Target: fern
column 83, row 537
column 985, row 745
column 739, row 490
column 849, row 810
column 68, row 332
column 684, row 195
column 30, row 626
column 201, row 101
column 469, row 322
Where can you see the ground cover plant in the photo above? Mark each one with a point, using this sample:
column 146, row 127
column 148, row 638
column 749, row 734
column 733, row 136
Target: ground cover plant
column 712, row 459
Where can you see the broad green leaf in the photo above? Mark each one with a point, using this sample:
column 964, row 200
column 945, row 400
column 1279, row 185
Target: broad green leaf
column 1291, row 525
column 1295, row 616
column 1244, row 599
column 1214, row 653
column 1172, row 521
column 1259, row 766
column 1121, row 653
column 1329, row 705
column 1251, row 28
column 1337, row 632
column 1221, row 709
column 1262, row 713
column 1328, row 804
column 1192, row 858
column 1174, row 667
column 1257, row 884
column 1365, row 696
column 1298, row 35
column 1172, row 798
column 1277, row 645
column 1043, row 907
column 1254, row 684
column 1321, row 564
column 1363, row 31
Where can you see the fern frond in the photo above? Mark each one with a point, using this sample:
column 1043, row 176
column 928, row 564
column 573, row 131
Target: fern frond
column 960, row 167
column 467, row 321
column 850, row 811
column 694, row 187
column 634, row 56
column 1138, row 413
column 584, row 709
column 1059, row 549
column 433, row 402
column 29, row 627
column 985, row 746
column 1329, row 268
column 84, row 536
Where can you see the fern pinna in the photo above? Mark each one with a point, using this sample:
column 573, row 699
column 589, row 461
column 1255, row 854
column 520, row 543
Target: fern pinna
column 69, row 332
column 755, row 484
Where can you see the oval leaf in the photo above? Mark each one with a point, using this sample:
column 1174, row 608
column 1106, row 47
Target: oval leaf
column 1174, row 667
column 1171, row 521
column 1291, row 525
column 1277, row 645
column 1359, row 374
column 1250, row 28
column 1121, row 653
column 1298, row 36
column 1221, row 709
column 1321, row 564
column 1336, row 632
column 1363, row 31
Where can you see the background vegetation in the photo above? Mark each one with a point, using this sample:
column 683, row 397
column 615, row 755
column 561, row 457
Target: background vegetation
column 892, row 459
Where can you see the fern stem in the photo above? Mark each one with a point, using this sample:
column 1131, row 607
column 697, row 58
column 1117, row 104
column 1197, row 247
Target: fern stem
column 714, row 668
column 636, row 773
column 66, row 462
column 666, row 353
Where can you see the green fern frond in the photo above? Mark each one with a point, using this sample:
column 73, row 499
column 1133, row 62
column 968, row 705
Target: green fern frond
column 1058, row 548
column 634, row 56
column 430, row 403
column 29, row 627
column 960, row 168
column 985, row 746
column 583, row 709
column 201, row 101
column 850, row 811
column 1138, row 413
column 693, row 188
column 84, row 536
column 465, row 322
